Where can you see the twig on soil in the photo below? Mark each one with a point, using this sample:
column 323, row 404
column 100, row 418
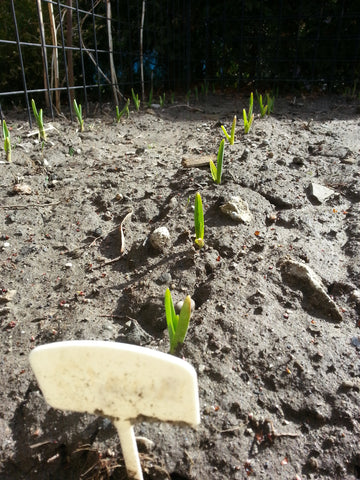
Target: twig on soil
column 45, row 442
column 36, row 132
column 228, row 430
column 117, row 228
column 265, row 433
column 122, row 244
column 29, row 205
column 108, row 262
column 122, row 237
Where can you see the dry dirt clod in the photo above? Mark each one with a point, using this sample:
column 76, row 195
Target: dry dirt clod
column 304, row 278
column 22, row 189
column 7, row 296
column 237, row 209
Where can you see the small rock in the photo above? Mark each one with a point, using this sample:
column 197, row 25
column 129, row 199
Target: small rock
column 298, row 161
column 68, row 265
column 160, row 239
column 355, row 296
column 173, row 202
column 302, row 277
column 165, row 278
column 179, row 305
column 312, row 463
column 245, row 155
column 237, row 209
column 319, row 192
column 7, row 296
column 22, row 189
column 144, row 444
column 107, row 215
column 134, row 334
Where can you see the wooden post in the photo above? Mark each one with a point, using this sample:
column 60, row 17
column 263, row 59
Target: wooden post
column 142, row 51
column 55, row 58
column 111, row 54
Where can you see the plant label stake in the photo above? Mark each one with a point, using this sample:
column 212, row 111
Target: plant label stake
column 125, row 383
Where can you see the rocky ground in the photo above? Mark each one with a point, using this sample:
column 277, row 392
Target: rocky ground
column 274, row 337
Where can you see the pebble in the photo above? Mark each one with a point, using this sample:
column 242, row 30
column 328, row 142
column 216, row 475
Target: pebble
column 22, row 189
column 107, row 215
column 7, row 296
column 355, row 296
column 237, row 209
column 298, row 161
column 179, row 305
column 160, row 238
column 201, row 368
column 319, row 192
column 144, row 444
column 165, row 278
column 68, row 265
column 304, row 278
column 173, row 202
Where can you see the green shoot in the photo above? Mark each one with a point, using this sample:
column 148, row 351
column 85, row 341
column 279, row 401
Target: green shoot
column 270, row 103
column 7, row 142
column 172, row 98
column 124, row 111
column 248, row 118
column 205, row 88
column 263, row 108
column 150, row 97
column 39, row 120
column 230, row 137
column 177, row 324
column 136, row 100
column 196, row 94
column 78, row 112
column 199, row 221
column 216, row 171
column 187, row 96
column 162, row 100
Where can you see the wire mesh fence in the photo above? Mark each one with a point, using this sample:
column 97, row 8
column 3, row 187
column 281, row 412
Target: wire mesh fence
column 55, row 50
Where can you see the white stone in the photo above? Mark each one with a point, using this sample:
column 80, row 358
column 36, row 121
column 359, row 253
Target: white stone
column 320, row 193
column 237, row 209
column 160, row 238
column 178, row 305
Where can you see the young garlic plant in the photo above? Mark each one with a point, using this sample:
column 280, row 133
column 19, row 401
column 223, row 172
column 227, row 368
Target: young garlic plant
column 136, row 100
column 230, row 137
column 78, row 112
column 199, row 221
column 7, row 142
column 177, row 324
column 124, row 111
column 216, row 171
column 269, row 107
column 39, row 120
column 249, row 117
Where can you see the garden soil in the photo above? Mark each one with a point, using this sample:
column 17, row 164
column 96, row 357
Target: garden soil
column 275, row 333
